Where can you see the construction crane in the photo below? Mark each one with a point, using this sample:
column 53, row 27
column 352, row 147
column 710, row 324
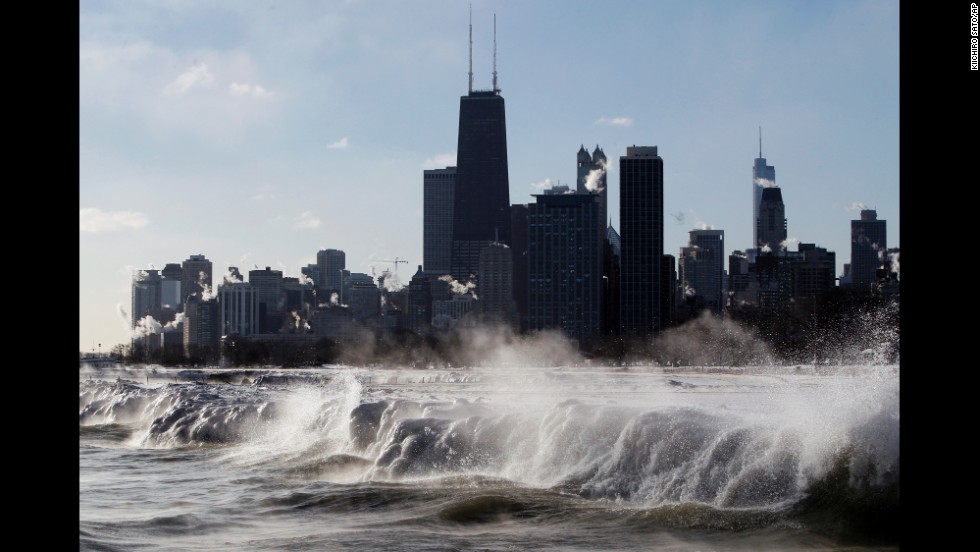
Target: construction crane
column 394, row 261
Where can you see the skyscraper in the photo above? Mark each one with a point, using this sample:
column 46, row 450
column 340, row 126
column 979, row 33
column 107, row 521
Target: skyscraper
column 763, row 176
column 196, row 275
column 147, row 295
column 439, row 187
column 771, row 224
column 268, row 295
column 641, row 208
column 496, row 290
column 332, row 263
column 481, row 206
column 565, row 285
column 239, row 309
column 868, row 246
column 702, row 264
column 592, row 177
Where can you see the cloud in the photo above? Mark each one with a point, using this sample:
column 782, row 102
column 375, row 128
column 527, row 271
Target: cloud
column 784, row 245
column 615, row 121
column 307, row 220
column 857, row 206
column 592, row 181
column 174, row 324
column 195, row 77
column 95, row 220
column 764, row 182
column 339, row 144
column 249, row 90
column 146, row 326
column 440, row 161
column 457, row 288
column 545, row 184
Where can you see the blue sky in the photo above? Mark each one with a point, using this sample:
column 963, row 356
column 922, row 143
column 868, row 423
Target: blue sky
column 258, row 133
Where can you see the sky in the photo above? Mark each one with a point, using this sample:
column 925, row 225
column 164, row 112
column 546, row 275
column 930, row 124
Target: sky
column 258, row 133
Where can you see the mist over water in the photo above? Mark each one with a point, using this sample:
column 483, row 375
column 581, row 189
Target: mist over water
column 531, row 448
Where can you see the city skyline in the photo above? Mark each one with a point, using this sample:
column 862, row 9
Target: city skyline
column 258, row 136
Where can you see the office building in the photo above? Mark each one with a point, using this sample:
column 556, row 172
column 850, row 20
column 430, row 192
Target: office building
column 239, row 307
column 565, row 285
column 771, row 227
column 641, row 213
column 763, row 176
column 481, row 206
column 196, row 276
column 439, row 191
column 332, row 263
column 868, row 246
column 702, row 264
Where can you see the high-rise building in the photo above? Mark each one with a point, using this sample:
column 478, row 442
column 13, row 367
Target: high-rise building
column 611, row 268
column 147, row 293
column 170, row 298
column 518, row 251
column 812, row 272
column 239, row 308
column 420, row 303
column 196, row 276
column 868, row 247
column 771, row 224
column 202, row 328
column 565, row 285
column 332, row 263
column 496, row 289
column 641, row 214
column 763, row 176
column 481, row 206
column 439, row 189
column 268, row 293
column 364, row 299
column 592, row 177
column 702, row 264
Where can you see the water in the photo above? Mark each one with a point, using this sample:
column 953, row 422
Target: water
column 514, row 458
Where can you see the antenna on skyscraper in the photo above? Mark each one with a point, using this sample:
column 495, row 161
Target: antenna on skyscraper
column 760, row 141
column 471, row 47
column 495, row 89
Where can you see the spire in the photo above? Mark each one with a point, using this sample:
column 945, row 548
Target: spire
column 471, row 48
column 495, row 89
column 760, row 141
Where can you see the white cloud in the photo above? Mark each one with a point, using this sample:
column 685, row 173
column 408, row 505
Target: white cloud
column 307, row 220
column 95, row 220
column 251, row 90
column 440, row 161
column 138, row 82
column 545, row 184
column 857, row 206
column 196, row 76
column 339, row 144
column 615, row 121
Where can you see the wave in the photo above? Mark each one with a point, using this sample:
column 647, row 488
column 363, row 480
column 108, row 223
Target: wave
column 827, row 457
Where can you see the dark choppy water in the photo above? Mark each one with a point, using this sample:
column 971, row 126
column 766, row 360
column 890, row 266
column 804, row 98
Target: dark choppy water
column 508, row 459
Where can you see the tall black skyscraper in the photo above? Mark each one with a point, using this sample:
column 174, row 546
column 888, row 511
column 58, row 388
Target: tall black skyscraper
column 439, row 187
column 641, row 214
column 481, row 211
column 868, row 246
column 763, row 176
